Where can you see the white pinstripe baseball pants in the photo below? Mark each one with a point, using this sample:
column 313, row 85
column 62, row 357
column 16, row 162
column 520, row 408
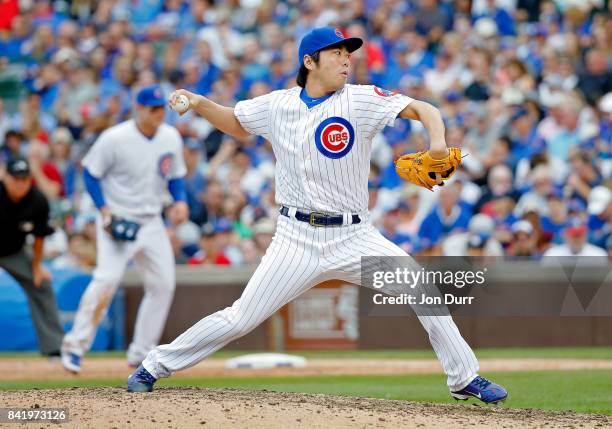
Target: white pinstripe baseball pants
column 300, row 257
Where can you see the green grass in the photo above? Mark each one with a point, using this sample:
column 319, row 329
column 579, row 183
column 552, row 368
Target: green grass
column 497, row 353
column 581, row 390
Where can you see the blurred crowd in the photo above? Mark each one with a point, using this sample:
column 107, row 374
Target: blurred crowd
column 524, row 86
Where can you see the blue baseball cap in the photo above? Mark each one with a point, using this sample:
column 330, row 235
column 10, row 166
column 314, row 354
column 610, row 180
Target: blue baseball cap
column 519, row 114
column 453, row 96
column 152, row 96
column 223, row 225
column 326, row 37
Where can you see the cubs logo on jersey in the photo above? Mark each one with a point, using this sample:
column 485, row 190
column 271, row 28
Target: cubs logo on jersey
column 384, row 92
column 334, row 137
column 165, row 164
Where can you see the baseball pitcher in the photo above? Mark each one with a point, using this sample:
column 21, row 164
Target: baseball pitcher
column 321, row 133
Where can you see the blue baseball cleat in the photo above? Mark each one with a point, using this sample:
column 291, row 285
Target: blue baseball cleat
column 71, row 362
column 483, row 389
column 141, row 380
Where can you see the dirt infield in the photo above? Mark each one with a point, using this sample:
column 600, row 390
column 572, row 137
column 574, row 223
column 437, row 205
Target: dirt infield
column 216, row 408
column 101, row 368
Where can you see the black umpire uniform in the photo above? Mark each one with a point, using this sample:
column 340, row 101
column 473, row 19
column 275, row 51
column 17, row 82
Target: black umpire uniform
column 24, row 210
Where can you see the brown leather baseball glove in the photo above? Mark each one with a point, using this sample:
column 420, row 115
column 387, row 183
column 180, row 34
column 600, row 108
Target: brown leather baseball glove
column 420, row 168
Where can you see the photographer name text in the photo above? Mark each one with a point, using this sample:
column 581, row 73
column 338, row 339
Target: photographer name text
column 446, row 299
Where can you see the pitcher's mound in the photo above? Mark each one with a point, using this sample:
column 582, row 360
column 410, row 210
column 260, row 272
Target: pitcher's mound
column 214, row 408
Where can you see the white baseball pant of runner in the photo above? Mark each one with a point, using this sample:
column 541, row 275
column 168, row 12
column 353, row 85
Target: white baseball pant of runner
column 154, row 259
column 300, row 257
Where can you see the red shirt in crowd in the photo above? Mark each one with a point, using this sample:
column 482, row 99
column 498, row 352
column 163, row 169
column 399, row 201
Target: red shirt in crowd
column 9, row 9
column 200, row 259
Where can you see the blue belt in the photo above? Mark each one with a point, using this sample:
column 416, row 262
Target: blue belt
column 319, row 219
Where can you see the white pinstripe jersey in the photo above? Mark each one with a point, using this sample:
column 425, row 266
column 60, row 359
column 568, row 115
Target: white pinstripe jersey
column 133, row 169
column 322, row 153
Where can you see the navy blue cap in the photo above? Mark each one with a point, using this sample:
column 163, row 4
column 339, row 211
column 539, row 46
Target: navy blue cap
column 151, row 96
column 519, row 114
column 326, row 37
column 190, row 249
column 18, row 167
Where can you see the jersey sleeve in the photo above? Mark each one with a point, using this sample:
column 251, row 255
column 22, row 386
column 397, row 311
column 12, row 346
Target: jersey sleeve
column 99, row 158
column 178, row 166
column 254, row 115
column 376, row 108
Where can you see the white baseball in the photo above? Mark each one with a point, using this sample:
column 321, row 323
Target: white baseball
column 181, row 105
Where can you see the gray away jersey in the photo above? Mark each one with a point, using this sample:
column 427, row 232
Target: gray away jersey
column 322, row 153
column 134, row 170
